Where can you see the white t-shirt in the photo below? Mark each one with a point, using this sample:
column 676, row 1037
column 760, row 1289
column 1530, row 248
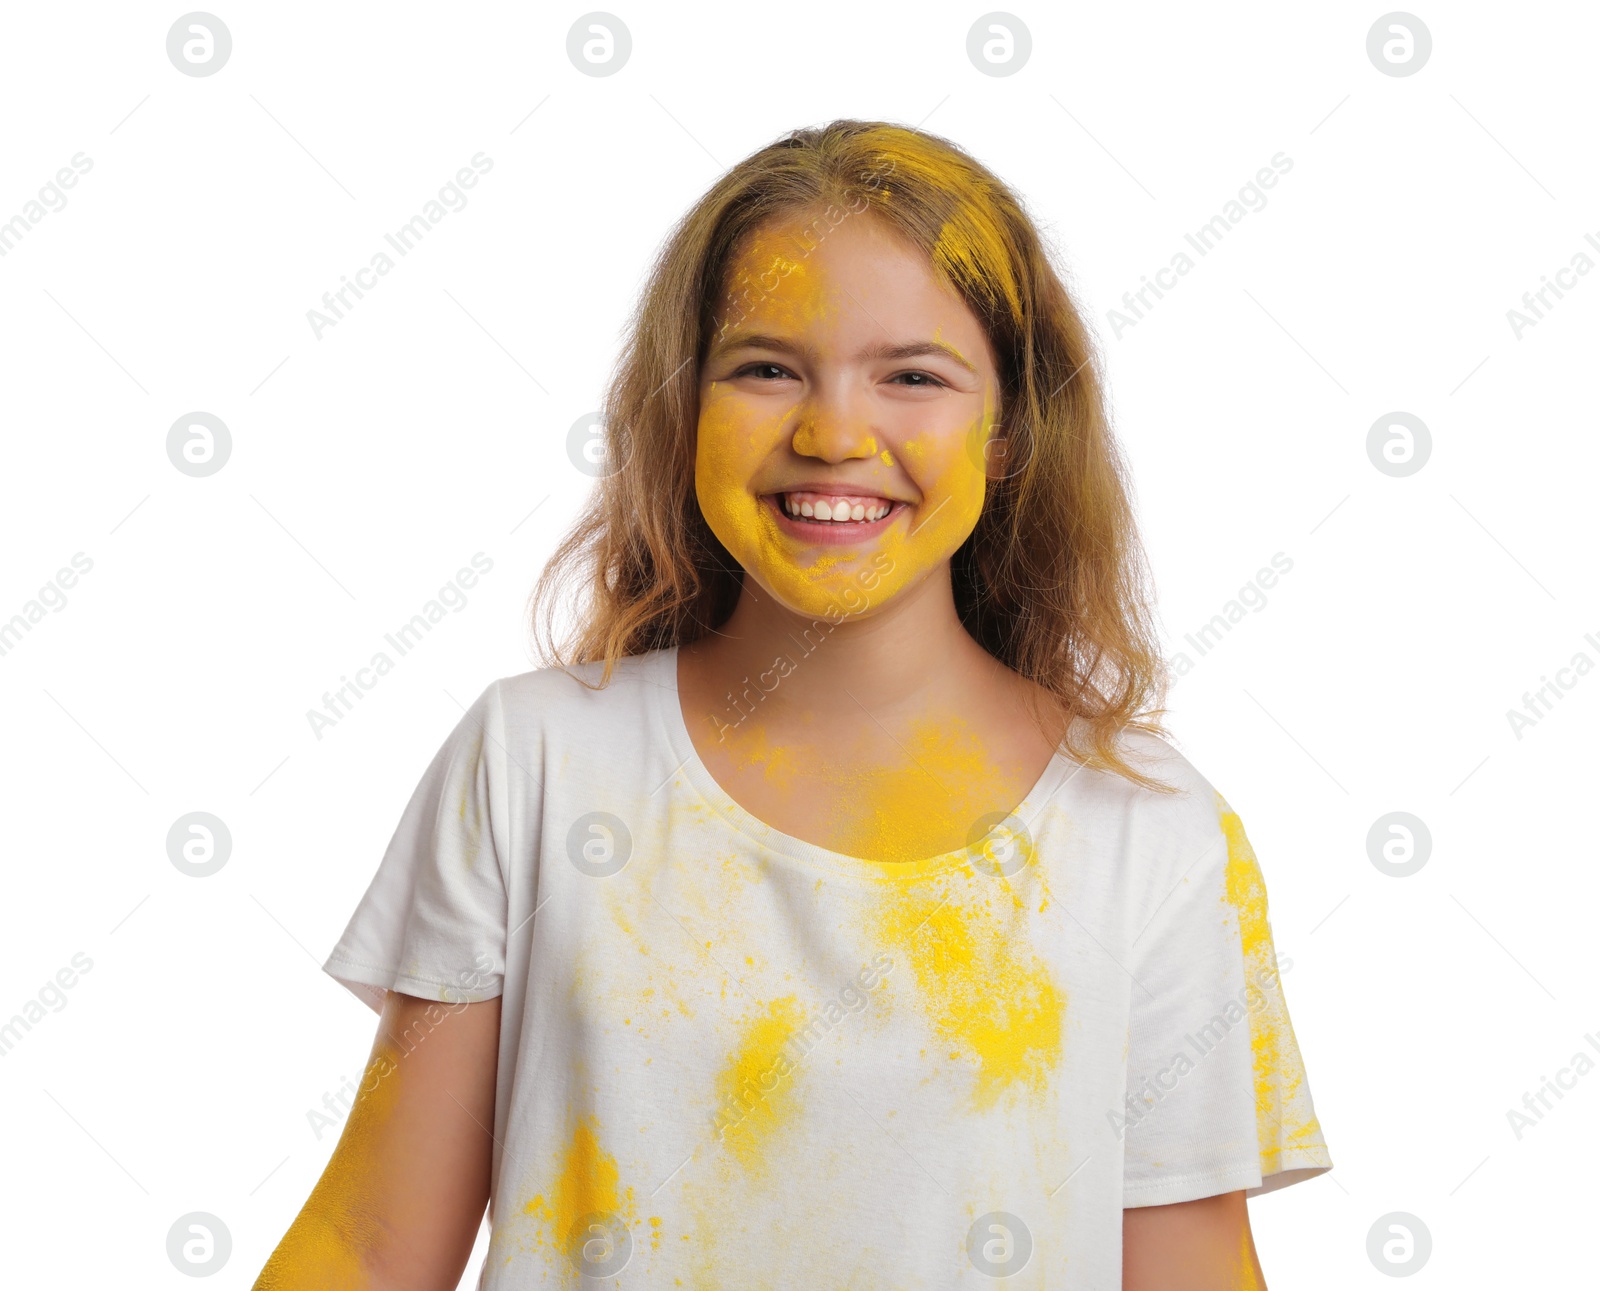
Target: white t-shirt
column 729, row 1057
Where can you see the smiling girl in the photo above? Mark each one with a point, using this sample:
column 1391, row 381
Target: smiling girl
column 831, row 911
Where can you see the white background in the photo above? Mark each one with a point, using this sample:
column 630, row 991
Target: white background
column 370, row 464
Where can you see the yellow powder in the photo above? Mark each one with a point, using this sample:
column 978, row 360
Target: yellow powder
column 586, row 1184
column 926, row 801
column 970, row 252
column 1283, row 1116
column 733, row 442
column 1245, row 1278
column 756, row 1088
column 780, row 764
column 995, row 1006
column 327, row 1245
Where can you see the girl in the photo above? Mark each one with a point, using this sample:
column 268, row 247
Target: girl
column 832, row 912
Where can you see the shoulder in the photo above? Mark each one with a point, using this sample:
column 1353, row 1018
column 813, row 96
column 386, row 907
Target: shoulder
column 575, row 711
column 1190, row 801
column 578, row 689
column 1168, row 842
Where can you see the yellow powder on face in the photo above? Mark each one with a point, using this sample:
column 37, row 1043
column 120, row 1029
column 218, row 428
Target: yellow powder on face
column 327, row 1245
column 736, row 438
column 757, row 1089
column 993, row 1003
column 1283, row 1116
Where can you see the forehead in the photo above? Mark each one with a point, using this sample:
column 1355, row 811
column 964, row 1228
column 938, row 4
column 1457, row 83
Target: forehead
column 803, row 273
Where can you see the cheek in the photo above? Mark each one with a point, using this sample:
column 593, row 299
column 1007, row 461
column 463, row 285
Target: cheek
column 727, row 453
column 949, row 471
column 947, row 465
column 956, row 485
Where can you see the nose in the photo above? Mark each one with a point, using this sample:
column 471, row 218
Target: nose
column 833, row 429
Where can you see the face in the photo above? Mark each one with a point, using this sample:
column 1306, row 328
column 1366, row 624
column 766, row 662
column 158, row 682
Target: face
column 845, row 411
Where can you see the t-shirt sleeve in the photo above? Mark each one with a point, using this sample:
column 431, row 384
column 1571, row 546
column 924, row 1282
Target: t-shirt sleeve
column 433, row 920
column 1217, row 1097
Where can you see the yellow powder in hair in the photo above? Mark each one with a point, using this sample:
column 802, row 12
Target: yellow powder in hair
column 971, row 253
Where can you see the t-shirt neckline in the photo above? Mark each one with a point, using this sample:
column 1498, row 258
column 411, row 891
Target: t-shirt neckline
column 670, row 721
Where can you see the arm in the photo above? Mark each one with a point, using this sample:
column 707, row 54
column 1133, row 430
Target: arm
column 399, row 1204
column 1202, row 1245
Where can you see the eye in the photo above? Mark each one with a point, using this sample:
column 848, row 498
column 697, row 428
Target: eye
column 928, row 380
column 750, row 368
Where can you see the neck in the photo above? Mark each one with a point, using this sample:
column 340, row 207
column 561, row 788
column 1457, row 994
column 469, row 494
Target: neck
column 910, row 657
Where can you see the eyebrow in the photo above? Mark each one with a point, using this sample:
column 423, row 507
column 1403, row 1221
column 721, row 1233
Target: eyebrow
column 883, row 350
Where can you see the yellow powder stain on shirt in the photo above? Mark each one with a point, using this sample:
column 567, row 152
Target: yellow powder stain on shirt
column 586, row 1185
column 756, row 1089
column 996, row 1006
column 989, row 1000
column 324, row 1246
column 1284, row 1120
column 668, row 977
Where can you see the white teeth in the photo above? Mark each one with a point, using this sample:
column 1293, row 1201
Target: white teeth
column 839, row 512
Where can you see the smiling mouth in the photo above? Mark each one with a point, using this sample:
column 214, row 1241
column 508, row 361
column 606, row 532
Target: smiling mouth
column 823, row 510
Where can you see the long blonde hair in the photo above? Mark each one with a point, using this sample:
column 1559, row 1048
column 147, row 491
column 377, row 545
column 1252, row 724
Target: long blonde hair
column 1052, row 581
